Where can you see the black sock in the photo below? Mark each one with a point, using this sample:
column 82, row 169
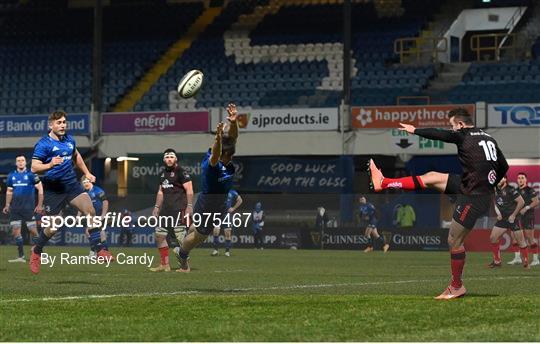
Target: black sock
column 41, row 241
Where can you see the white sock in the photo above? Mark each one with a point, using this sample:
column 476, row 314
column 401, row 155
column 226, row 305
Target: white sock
column 517, row 255
column 535, row 256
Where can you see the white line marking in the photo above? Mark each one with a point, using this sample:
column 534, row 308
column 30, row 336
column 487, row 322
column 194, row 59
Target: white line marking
column 290, row 287
column 359, row 284
column 105, row 296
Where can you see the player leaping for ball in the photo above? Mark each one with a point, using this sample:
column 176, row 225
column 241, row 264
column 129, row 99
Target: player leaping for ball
column 483, row 167
column 55, row 155
column 217, row 180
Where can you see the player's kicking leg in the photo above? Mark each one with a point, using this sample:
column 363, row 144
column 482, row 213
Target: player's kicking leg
column 215, row 242
column 432, row 180
column 163, row 248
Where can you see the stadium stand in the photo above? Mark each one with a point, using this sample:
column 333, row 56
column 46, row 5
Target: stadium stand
column 536, row 49
column 495, row 82
column 262, row 53
column 286, row 55
column 48, row 67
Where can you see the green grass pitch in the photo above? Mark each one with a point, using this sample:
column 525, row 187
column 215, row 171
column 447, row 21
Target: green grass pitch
column 270, row 295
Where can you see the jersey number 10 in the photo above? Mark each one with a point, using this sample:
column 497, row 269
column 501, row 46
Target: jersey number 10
column 489, row 150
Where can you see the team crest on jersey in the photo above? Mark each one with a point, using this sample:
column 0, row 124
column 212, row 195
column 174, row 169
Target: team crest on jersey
column 492, row 177
column 70, row 145
column 166, row 184
column 172, row 174
column 25, row 177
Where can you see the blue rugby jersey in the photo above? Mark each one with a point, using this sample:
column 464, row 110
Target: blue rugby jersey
column 23, row 184
column 216, row 179
column 47, row 148
column 367, row 213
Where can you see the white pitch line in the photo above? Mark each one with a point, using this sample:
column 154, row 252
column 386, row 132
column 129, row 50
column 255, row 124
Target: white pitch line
column 360, row 284
column 291, row 287
column 103, row 296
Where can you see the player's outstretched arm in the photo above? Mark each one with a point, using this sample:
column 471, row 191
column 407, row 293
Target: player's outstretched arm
column 82, row 166
column 444, row 135
column 233, row 115
column 216, row 148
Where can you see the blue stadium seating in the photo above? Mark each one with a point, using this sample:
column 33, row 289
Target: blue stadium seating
column 535, row 50
column 290, row 82
column 42, row 60
column 44, row 66
column 499, row 82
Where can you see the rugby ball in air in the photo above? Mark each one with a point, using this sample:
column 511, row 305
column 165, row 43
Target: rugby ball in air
column 190, row 84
